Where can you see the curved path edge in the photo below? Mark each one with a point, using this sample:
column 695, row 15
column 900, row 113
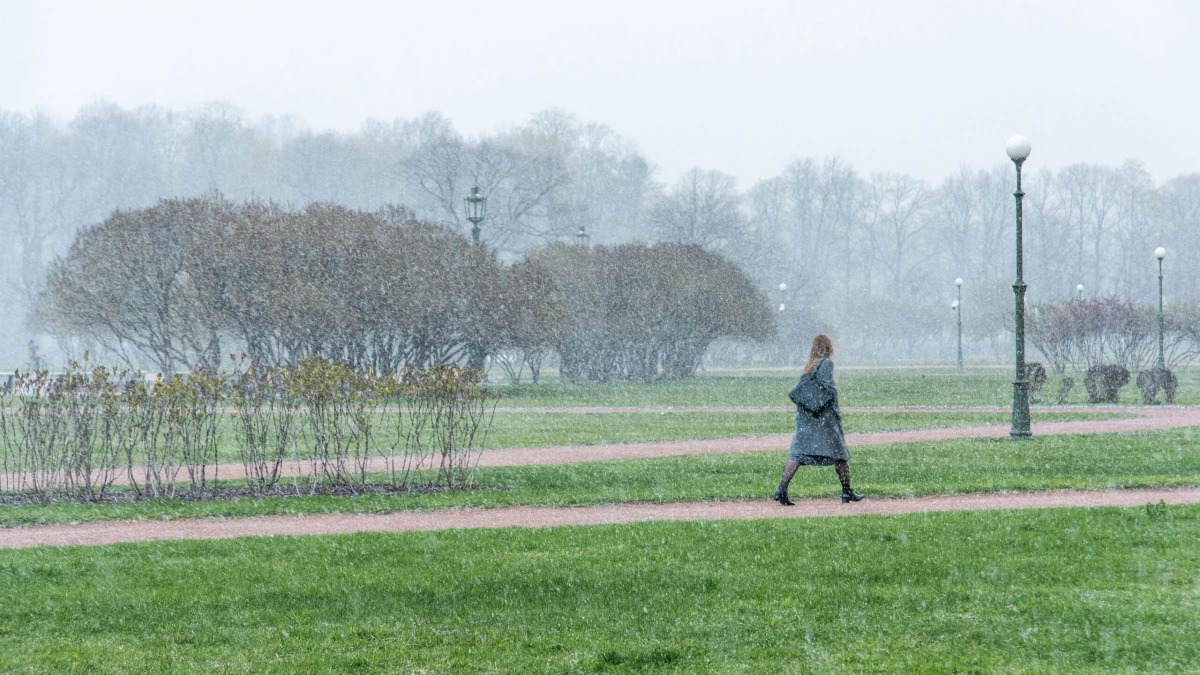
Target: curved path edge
column 116, row 532
column 1146, row 419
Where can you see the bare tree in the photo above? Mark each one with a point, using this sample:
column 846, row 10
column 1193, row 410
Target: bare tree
column 894, row 223
column 702, row 208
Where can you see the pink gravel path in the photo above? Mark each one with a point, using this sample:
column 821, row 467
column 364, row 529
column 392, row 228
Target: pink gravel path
column 100, row 534
column 644, row 410
column 1150, row 418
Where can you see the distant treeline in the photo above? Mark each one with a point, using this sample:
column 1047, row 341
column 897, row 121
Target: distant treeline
column 186, row 283
column 870, row 257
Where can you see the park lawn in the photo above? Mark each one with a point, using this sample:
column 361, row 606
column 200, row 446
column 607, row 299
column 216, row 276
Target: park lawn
column 1100, row 461
column 915, row 386
column 1055, row 590
column 530, row 429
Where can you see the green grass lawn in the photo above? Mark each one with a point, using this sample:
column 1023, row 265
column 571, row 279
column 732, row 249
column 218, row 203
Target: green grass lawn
column 1134, row 459
column 529, row 430
column 868, row 387
column 1070, row 591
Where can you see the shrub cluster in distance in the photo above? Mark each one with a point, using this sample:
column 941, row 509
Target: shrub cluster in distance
column 187, row 280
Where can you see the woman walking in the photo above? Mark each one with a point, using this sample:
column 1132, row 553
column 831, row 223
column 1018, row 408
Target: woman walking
column 819, row 439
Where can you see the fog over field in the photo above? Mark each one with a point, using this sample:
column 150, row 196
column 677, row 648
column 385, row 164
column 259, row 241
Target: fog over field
column 852, row 151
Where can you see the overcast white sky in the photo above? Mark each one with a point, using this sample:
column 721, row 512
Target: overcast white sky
column 740, row 86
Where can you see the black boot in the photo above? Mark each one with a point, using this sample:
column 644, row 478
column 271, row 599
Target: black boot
column 843, row 473
column 781, row 496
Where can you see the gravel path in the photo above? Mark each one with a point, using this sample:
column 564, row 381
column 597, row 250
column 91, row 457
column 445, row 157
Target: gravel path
column 787, row 410
column 100, row 534
column 1148, row 418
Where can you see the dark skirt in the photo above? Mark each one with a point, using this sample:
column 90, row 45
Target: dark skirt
column 814, row 460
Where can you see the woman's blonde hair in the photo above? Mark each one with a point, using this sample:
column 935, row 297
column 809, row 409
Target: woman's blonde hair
column 822, row 348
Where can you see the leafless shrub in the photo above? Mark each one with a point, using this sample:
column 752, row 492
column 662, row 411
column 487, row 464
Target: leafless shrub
column 153, row 461
column 193, row 421
column 31, row 433
column 450, row 413
column 266, row 407
column 63, row 432
column 1086, row 333
column 338, row 402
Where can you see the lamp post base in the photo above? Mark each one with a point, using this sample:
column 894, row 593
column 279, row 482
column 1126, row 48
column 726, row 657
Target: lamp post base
column 1020, row 413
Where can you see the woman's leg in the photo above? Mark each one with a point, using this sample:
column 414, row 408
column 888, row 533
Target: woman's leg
column 789, row 470
column 781, row 494
column 843, row 472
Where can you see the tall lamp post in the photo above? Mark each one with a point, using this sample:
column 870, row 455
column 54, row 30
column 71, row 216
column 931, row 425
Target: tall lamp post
column 1160, row 253
column 957, row 307
column 1018, row 149
column 1079, row 292
column 476, row 207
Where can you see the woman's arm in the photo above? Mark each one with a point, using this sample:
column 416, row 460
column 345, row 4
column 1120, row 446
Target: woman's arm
column 823, row 373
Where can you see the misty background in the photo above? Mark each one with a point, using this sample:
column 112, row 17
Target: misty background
column 853, row 152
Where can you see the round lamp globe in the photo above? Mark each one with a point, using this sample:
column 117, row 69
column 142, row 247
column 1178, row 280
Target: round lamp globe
column 1017, row 147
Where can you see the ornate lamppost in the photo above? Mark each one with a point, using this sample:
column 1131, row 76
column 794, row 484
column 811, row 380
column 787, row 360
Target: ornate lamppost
column 476, row 208
column 1018, row 148
column 1160, row 253
column 957, row 307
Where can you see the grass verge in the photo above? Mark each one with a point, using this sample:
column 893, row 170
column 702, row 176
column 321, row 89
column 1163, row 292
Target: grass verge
column 867, row 387
column 531, row 430
column 1059, row 590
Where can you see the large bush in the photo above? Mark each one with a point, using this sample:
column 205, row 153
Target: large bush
column 641, row 312
column 177, row 281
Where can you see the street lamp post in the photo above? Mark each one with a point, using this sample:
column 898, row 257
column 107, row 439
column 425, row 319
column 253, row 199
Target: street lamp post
column 958, row 310
column 1160, row 253
column 1018, row 148
column 1079, row 291
column 476, row 207
column 582, row 237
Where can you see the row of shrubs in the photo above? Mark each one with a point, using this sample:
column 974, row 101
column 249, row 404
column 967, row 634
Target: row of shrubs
column 1104, row 382
column 79, row 433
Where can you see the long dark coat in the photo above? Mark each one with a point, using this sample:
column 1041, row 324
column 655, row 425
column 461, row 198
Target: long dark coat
column 819, row 438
